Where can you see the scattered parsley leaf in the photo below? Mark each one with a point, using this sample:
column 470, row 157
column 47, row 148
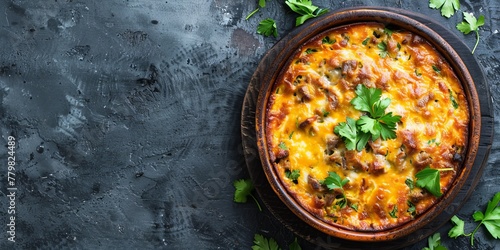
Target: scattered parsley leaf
column 252, row 13
column 244, row 189
column 262, row 243
column 428, row 178
column 268, row 27
column 453, row 100
column 458, row 229
column 367, row 100
column 342, row 201
column 411, row 208
column 334, row 181
column 262, row 4
column 448, row 7
column 434, row 242
column 383, row 127
column 388, row 126
column 305, row 9
column 394, row 212
column 290, row 136
column 310, row 51
column 348, row 131
column 365, row 42
column 435, row 68
column 471, row 24
column 382, row 46
column 292, row 175
column 490, row 218
column 355, row 207
column 369, row 125
column 353, row 138
column 327, row 40
column 283, row 146
column 434, row 141
column 295, row 245
column 388, row 31
column 410, row 184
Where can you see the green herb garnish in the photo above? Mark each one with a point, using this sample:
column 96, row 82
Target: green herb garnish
column 310, row 51
column 471, row 24
column 334, row 181
column 448, row 7
column 382, row 46
column 434, row 242
column 353, row 138
column 490, row 219
column 435, row 68
column 458, row 229
column 243, row 190
column 355, row 207
column 394, row 212
column 411, row 208
column 327, row 40
column 365, row 42
column 374, row 125
column 453, row 100
column 305, row 9
column 294, row 245
column 410, row 184
column 293, row 175
column 429, row 179
column 378, row 123
column 268, row 27
column 263, row 243
column 252, row 13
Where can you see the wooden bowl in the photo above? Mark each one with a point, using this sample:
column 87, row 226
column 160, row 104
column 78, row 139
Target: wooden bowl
column 291, row 43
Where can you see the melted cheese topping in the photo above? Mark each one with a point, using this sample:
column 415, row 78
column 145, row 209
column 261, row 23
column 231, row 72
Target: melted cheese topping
column 313, row 96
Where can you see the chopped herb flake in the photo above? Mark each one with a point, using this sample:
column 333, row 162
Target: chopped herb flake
column 327, row 40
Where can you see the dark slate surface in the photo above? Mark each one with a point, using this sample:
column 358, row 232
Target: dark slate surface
column 126, row 117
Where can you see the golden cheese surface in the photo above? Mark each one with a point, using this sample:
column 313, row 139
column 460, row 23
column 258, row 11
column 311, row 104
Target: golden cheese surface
column 313, row 95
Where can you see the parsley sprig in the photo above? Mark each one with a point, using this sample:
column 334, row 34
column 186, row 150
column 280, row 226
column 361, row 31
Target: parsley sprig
column 268, row 27
column 376, row 124
column 263, row 243
column 293, row 175
column 305, row 9
column 434, row 242
column 448, row 7
column 429, row 179
column 471, row 24
column 334, row 181
column 244, row 189
column 490, row 219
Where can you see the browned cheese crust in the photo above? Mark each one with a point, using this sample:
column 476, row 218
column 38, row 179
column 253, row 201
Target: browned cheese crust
column 313, row 95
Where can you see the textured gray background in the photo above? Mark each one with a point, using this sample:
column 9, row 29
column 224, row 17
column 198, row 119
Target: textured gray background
column 127, row 118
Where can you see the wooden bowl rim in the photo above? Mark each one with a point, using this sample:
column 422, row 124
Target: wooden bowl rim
column 359, row 15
